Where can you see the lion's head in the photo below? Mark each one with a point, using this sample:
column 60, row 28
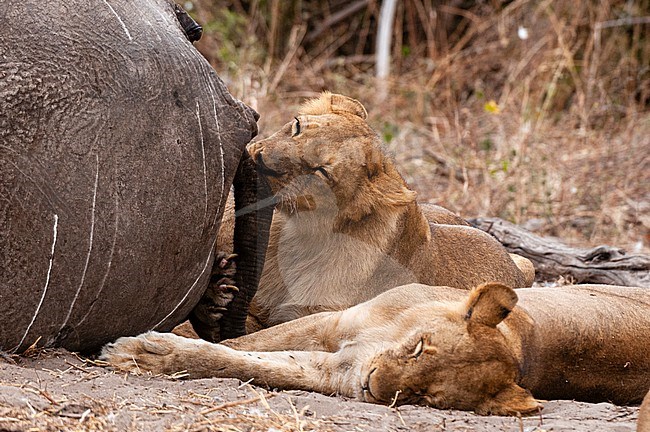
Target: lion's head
column 329, row 159
column 454, row 358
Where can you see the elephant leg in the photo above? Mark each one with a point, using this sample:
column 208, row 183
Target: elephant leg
column 166, row 353
column 253, row 214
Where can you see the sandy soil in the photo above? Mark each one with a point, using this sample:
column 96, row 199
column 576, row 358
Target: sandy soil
column 59, row 390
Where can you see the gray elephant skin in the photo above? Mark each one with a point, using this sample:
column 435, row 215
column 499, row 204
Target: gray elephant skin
column 118, row 146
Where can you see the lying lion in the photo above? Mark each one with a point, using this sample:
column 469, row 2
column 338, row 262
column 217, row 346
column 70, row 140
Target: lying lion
column 436, row 346
column 348, row 228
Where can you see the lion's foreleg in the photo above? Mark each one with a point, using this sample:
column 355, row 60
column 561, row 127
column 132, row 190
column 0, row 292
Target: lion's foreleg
column 166, row 353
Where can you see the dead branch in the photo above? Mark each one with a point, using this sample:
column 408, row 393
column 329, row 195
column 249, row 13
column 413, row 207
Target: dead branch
column 552, row 258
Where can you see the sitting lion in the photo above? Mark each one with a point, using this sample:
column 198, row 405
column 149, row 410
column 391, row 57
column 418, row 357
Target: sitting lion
column 348, row 228
column 437, row 346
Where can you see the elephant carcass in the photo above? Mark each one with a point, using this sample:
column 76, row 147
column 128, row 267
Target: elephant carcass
column 118, row 146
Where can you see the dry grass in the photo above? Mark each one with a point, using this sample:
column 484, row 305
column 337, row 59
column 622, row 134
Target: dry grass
column 551, row 131
column 95, row 415
column 46, row 404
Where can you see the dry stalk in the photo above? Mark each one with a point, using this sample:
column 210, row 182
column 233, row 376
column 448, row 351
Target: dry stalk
column 231, row 404
column 74, row 366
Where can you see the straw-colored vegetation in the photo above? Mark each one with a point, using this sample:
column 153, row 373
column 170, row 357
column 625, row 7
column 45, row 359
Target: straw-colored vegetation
column 533, row 111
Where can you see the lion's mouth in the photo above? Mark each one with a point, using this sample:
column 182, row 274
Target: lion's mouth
column 365, row 387
column 262, row 168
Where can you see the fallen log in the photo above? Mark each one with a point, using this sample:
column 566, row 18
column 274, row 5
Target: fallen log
column 552, row 258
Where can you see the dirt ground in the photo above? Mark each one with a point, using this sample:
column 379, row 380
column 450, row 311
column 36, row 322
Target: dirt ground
column 59, row 390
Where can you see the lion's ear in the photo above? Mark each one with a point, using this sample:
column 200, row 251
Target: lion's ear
column 340, row 103
column 490, row 303
column 333, row 103
column 512, row 400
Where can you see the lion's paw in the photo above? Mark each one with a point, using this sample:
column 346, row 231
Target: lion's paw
column 150, row 352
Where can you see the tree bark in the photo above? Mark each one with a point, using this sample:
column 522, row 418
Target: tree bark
column 552, row 258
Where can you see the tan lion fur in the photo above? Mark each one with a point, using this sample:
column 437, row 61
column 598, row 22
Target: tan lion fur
column 492, row 350
column 348, row 228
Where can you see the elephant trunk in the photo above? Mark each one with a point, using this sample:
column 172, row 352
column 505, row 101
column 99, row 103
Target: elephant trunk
column 253, row 214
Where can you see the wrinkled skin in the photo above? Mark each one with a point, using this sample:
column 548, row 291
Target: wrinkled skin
column 348, row 228
column 437, row 346
column 118, row 146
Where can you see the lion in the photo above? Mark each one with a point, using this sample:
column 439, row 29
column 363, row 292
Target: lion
column 347, row 227
column 492, row 350
column 643, row 424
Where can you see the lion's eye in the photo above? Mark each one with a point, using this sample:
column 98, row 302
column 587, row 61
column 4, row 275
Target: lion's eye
column 296, row 127
column 418, row 349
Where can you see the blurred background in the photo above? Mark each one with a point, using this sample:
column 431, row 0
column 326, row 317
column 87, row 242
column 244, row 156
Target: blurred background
column 537, row 112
